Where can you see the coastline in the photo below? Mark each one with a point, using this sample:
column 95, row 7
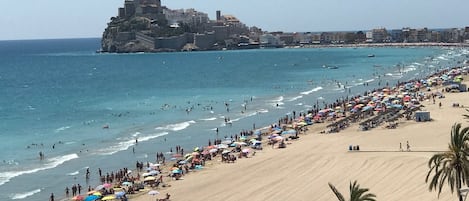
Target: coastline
column 304, row 168
column 383, row 45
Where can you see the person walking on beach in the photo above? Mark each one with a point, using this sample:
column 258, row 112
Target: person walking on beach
column 79, row 189
column 400, row 146
column 74, row 190
column 408, row 146
column 51, row 197
column 67, row 191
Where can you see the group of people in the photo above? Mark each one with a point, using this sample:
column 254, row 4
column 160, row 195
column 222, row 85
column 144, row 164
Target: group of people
column 407, row 146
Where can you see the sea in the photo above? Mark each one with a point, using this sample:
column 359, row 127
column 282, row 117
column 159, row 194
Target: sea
column 84, row 109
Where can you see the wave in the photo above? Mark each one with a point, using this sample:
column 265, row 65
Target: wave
column 52, row 163
column 370, row 80
column 408, row 69
column 442, row 58
column 177, row 126
column 278, row 99
column 73, row 173
column 311, row 91
column 209, row 119
column 62, row 128
column 294, row 98
column 19, row 196
column 136, row 134
column 124, row 145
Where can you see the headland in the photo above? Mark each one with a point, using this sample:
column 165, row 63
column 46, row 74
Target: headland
column 148, row 26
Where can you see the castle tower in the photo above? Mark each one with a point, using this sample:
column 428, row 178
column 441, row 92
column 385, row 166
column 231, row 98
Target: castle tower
column 218, row 16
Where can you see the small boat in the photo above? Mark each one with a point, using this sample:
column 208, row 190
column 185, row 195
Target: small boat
column 333, row 67
column 371, row 55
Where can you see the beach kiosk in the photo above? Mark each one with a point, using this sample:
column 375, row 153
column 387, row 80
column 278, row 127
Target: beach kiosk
column 422, row 116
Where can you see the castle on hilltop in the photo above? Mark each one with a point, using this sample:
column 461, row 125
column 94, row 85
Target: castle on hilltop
column 148, row 8
column 146, row 25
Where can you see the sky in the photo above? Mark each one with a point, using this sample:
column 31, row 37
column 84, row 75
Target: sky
column 48, row 19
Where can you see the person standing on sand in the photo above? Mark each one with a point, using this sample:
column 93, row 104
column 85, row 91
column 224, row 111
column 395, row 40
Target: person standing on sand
column 408, row 146
column 67, row 192
column 400, row 146
column 51, row 197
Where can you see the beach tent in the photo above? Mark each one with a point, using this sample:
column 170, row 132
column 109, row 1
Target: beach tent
column 422, row 116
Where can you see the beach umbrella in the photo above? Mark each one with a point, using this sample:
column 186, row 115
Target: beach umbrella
column 108, row 197
column 91, row 198
column 154, row 172
column 107, row 185
column 91, row 192
column 126, row 183
column 153, row 192
column 78, row 198
column 182, row 162
column 278, row 138
column 222, row 146
column 99, row 187
column 149, row 179
column 225, row 152
column 240, row 143
column 119, row 194
column 196, row 149
column 289, row 132
column 213, row 150
column 117, row 189
column 99, row 194
column 246, row 150
column 177, row 171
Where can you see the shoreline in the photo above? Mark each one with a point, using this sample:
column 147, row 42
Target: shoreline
column 313, row 130
column 262, row 157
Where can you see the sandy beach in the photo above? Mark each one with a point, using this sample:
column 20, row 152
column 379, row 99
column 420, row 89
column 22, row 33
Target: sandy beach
column 303, row 169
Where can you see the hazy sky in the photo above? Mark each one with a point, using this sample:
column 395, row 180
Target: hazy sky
column 39, row 19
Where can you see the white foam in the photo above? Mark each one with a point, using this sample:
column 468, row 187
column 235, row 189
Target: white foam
column 209, row 119
column 73, row 173
column 299, row 104
column 370, row 80
column 442, row 58
column 62, row 128
column 294, row 98
column 136, row 134
column 177, row 126
column 124, row 145
column 52, row 163
column 19, row 196
column 278, row 99
column 311, row 91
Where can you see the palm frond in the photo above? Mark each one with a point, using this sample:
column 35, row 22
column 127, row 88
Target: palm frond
column 339, row 196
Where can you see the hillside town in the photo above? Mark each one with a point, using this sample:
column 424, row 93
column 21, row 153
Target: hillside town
column 148, row 26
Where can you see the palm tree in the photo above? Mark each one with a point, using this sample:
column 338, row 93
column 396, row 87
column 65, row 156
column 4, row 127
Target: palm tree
column 466, row 116
column 452, row 166
column 356, row 193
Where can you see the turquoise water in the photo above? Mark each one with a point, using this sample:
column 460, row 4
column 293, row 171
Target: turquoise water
column 61, row 92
